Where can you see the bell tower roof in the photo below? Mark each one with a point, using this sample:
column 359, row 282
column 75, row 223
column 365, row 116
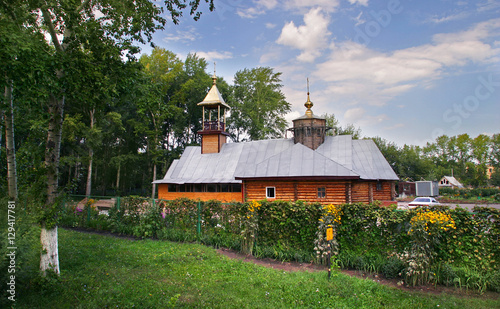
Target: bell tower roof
column 214, row 98
column 213, row 132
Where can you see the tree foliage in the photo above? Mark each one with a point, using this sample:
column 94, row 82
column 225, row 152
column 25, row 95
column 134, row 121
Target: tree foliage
column 258, row 105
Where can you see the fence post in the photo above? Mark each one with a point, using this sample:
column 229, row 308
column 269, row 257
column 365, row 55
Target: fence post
column 118, row 203
column 198, row 223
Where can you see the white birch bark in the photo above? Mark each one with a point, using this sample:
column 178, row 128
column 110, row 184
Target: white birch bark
column 88, row 190
column 9, row 143
column 49, row 259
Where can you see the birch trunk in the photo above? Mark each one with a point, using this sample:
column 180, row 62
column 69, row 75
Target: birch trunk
column 48, row 239
column 9, row 143
column 118, row 177
column 154, row 178
column 88, row 190
column 49, row 259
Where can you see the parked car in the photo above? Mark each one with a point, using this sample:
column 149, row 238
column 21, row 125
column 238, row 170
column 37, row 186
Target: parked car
column 423, row 201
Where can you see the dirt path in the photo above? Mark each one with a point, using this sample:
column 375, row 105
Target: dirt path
column 395, row 283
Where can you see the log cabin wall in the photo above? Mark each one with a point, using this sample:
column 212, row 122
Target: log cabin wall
column 289, row 190
column 383, row 191
column 225, row 197
column 369, row 191
column 360, row 192
column 336, row 191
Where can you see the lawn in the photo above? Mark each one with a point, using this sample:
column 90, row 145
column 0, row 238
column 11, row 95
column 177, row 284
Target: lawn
column 100, row 271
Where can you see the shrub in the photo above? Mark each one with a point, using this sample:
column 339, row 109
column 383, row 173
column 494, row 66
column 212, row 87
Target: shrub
column 392, row 268
column 426, row 245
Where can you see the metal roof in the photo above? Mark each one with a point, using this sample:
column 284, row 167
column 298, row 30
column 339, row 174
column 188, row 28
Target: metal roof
column 452, row 181
column 338, row 156
column 214, row 98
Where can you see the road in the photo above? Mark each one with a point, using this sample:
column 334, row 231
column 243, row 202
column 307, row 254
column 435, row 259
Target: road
column 404, row 205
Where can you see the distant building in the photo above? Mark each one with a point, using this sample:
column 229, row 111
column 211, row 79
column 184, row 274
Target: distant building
column 406, row 188
column 450, row 182
column 310, row 166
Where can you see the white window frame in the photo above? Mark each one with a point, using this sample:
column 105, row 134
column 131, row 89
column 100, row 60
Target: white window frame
column 274, row 190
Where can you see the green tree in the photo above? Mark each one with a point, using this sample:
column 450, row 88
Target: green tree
column 481, row 145
column 390, row 151
column 157, row 109
column 258, row 105
column 413, row 165
column 495, row 178
column 495, row 150
column 72, row 26
column 337, row 129
column 194, row 85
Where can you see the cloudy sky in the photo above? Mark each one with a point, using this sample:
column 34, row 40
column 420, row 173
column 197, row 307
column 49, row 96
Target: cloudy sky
column 405, row 70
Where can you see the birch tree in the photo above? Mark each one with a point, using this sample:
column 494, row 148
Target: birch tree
column 258, row 105
column 162, row 68
column 73, row 26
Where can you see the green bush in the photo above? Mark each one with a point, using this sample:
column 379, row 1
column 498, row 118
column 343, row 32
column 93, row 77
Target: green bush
column 466, row 193
column 447, row 246
column 392, row 268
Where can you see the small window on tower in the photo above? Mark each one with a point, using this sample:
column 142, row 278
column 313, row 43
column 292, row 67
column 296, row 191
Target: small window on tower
column 270, row 192
column 321, row 192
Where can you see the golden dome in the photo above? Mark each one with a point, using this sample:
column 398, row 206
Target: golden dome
column 308, row 104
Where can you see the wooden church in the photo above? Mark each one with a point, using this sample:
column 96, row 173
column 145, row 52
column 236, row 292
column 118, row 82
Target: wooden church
column 311, row 166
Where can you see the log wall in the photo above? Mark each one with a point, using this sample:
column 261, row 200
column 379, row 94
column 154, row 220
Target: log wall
column 297, row 190
column 224, row 197
column 337, row 192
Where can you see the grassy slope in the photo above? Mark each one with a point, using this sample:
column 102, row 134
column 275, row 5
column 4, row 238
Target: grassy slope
column 101, row 271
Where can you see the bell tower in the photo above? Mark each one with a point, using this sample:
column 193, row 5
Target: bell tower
column 309, row 129
column 213, row 134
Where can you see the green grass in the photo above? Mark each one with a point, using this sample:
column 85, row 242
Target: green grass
column 106, row 272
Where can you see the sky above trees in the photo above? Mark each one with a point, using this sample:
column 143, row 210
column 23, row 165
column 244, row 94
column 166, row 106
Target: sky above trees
column 408, row 71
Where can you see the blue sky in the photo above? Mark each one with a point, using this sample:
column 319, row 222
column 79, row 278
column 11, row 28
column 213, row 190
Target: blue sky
column 405, row 70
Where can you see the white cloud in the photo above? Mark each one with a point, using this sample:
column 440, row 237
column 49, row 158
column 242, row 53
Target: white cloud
column 489, row 5
column 260, row 7
column 310, row 38
column 190, row 34
column 394, row 126
column 270, row 25
column 327, row 5
column 270, row 53
column 480, row 31
column 354, row 114
column 358, row 116
column 447, row 18
column 375, row 77
column 268, row 4
column 361, row 2
column 215, row 55
column 252, row 12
